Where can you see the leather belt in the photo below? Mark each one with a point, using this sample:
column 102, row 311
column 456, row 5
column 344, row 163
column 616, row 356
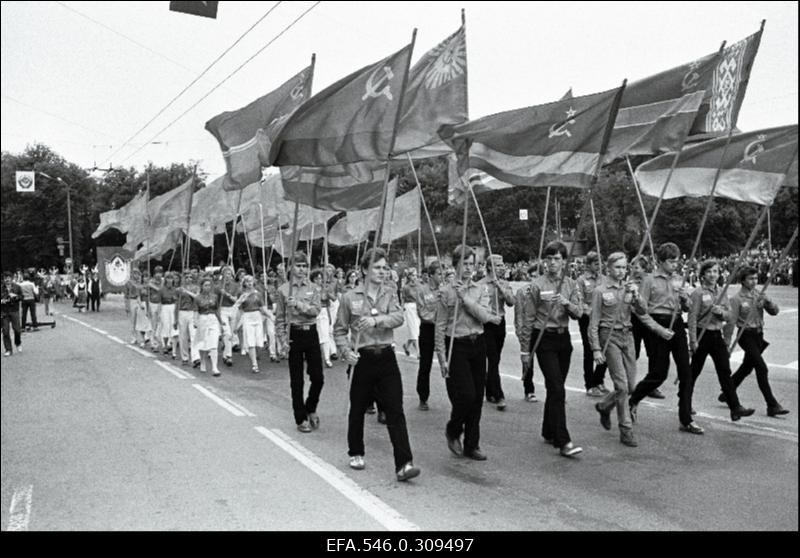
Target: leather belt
column 472, row 337
column 303, row 327
column 374, row 349
column 559, row 330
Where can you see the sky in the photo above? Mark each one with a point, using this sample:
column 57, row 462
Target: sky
column 85, row 77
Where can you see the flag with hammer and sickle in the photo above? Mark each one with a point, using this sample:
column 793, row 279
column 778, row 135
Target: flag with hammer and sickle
column 755, row 166
column 246, row 135
column 350, row 121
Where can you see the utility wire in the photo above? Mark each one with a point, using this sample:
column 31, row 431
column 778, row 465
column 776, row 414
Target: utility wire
column 184, row 113
column 57, row 116
column 195, row 80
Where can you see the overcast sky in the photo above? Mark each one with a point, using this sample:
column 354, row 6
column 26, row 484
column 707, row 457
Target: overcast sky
column 83, row 77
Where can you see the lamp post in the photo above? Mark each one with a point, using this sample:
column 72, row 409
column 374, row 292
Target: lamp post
column 69, row 211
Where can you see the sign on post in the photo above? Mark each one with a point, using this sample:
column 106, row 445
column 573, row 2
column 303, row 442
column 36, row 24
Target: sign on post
column 523, row 214
column 26, row 181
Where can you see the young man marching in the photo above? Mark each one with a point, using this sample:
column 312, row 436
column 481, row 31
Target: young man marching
column 369, row 313
column 500, row 296
column 427, row 302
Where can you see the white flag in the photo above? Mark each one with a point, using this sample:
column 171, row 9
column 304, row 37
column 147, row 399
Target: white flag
column 26, row 181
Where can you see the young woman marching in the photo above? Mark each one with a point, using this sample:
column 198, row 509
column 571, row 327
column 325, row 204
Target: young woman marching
column 186, row 329
column 228, row 291
column 208, row 322
column 611, row 317
column 168, row 324
column 706, row 312
column 253, row 308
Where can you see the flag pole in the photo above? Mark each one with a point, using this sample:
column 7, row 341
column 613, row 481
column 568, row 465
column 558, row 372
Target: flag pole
column 641, row 205
column 772, row 269
column 458, row 279
column 291, row 267
column 769, row 232
column 310, row 244
column 233, row 230
column 147, row 213
column 358, row 250
column 594, row 226
column 213, row 233
column 247, row 246
column 709, row 203
column 486, row 234
column 425, row 208
column 544, row 228
column 419, row 236
column 189, row 219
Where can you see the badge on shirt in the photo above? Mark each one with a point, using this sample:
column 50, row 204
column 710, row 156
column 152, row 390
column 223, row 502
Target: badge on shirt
column 356, row 306
column 547, row 295
column 309, row 293
column 707, row 298
column 609, row 298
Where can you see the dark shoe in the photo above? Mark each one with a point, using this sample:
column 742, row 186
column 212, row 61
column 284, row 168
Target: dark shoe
column 228, row 361
column 475, row 454
column 691, row 428
column 313, row 420
column 501, row 404
column 605, row 416
column 722, row 398
column 455, row 445
column 371, row 409
column 656, row 394
column 382, row 417
column 407, row 471
column 740, row 412
column 235, row 348
column 570, row 450
column 491, row 400
column 628, row 439
column 423, row 406
column 775, row 411
column 196, row 364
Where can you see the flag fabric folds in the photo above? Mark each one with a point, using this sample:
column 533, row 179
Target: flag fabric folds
column 401, row 216
column 165, row 213
column 657, row 113
column 556, row 144
column 478, row 180
column 246, row 135
column 124, row 217
column 339, row 236
column 720, row 109
column 352, row 120
column 339, row 187
column 753, row 170
column 436, row 94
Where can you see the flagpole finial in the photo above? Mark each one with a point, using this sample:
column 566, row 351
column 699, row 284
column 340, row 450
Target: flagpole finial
column 763, row 21
column 463, row 16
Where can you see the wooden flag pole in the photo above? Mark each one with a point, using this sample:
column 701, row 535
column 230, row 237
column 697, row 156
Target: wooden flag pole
column 458, row 279
column 419, row 237
column 358, row 252
column 247, row 247
column 485, row 234
column 769, row 232
column 641, row 206
column 185, row 263
column 544, row 228
column 147, row 214
column 425, row 208
column 310, row 244
column 709, row 203
column 291, row 267
column 594, row 226
column 772, row 269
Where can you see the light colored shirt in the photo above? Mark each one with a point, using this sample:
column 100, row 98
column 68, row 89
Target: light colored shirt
column 474, row 310
column 500, row 295
column 701, row 301
column 540, row 311
column 660, row 295
column 229, row 292
column 252, row 303
column 747, row 310
column 587, row 282
column 309, row 305
column 355, row 304
column 611, row 308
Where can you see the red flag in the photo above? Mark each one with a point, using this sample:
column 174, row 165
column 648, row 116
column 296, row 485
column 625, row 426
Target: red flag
column 246, row 135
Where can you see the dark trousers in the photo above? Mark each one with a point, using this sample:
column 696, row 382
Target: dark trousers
column 495, row 337
column 553, row 354
column 527, row 373
column 26, row 305
column 304, row 344
column 640, row 335
column 658, row 367
column 465, row 385
column 94, row 301
column 713, row 344
column 11, row 321
column 753, row 344
column 592, row 375
column 377, row 376
column 426, row 342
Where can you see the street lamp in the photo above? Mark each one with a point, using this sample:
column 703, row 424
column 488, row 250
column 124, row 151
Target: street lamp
column 69, row 211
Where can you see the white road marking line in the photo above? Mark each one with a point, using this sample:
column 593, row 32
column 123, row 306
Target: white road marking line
column 241, row 407
column 20, row 510
column 140, row 351
column 177, row 373
column 387, row 516
column 98, row 330
column 738, row 356
column 116, row 339
column 788, row 311
column 219, row 401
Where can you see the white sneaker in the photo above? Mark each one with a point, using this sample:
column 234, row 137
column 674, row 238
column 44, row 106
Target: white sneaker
column 19, row 348
column 357, row 462
column 8, row 353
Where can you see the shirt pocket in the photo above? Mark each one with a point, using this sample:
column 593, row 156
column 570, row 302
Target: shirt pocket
column 609, row 299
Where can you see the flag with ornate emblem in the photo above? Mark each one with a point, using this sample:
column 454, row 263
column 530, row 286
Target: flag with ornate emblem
column 436, row 95
column 753, row 170
column 350, row 121
column 557, row 144
column 338, row 187
column 246, row 135
column 657, row 112
column 479, row 181
column 720, row 108
column 125, row 217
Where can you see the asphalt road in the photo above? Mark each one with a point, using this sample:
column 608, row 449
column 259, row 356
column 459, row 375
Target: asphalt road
column 97, row 435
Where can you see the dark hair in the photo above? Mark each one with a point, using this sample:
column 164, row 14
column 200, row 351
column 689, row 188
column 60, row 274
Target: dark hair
column 468, row 251
column 745, row 271
column 314, row 274
column 555, row 247
column 642, row 261
column 667, row 250
column 7, row 274
column 707, row 264
column 592, row 257
column 380, row 253
column 300, row 256
column 433, row 267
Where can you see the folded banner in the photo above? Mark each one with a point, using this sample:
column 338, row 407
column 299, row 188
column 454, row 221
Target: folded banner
column 339, row 235
column 754, row 168
column 337, row 188
column 352, row 120
column 720, row 109
column 478, row 180
column 161, row 243
column 656, row 113
column 213, row 206
column 246, row 135
column 557, row 144
column 124, row 217
column 165, row 213
column 436, row 94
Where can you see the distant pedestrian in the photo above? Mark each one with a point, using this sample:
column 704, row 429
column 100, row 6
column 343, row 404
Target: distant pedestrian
column 10, row 297
column 30, row 292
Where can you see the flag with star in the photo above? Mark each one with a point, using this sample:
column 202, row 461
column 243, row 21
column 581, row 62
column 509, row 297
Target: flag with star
column 556, row 144
column 754, row 168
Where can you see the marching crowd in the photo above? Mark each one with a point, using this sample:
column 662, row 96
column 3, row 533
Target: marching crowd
column 456, row 314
